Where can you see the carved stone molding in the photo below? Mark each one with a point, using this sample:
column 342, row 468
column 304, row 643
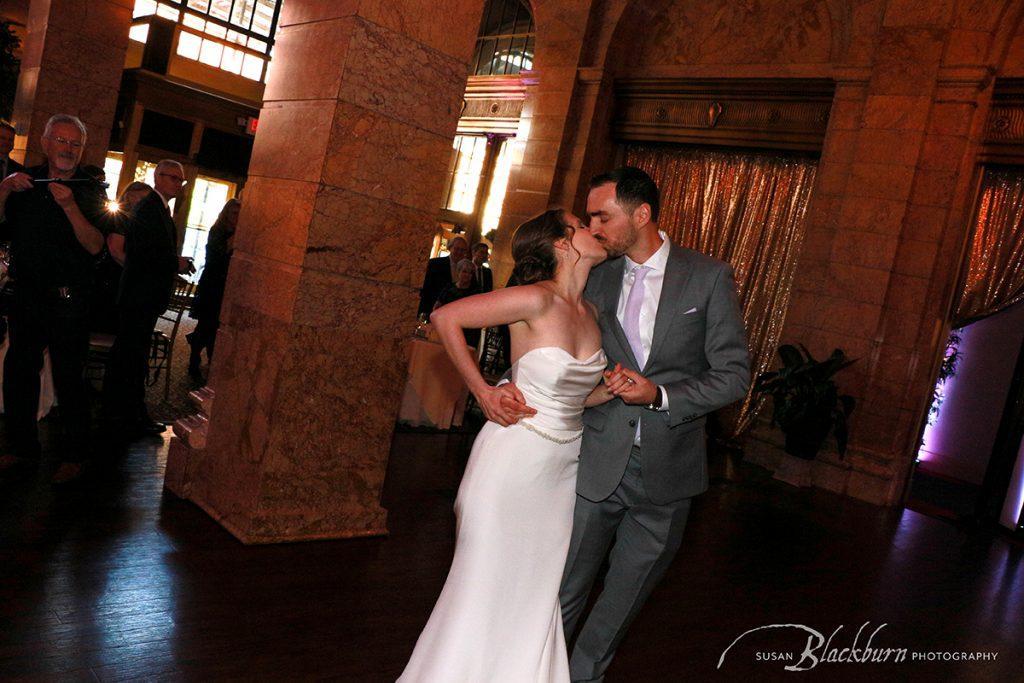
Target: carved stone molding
column 492, row 104
column 1004, row 130
column 779, row 114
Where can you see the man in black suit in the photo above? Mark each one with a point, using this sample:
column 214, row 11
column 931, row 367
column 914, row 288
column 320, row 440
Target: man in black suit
column 55, row 217
column 7, row 164
column 441, row 273
column 150, row 265
column 484, row 276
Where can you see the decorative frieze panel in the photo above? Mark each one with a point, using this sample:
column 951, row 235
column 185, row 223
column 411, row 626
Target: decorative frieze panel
column 1004, row 130
column 780, row 114
column 492, row 104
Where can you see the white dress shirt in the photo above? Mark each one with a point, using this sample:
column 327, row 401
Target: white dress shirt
column 653, row 282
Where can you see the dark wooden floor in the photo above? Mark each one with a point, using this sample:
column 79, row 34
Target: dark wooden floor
column 118, row 581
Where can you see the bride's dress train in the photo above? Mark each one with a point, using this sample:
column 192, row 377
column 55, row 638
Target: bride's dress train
column 498, row 617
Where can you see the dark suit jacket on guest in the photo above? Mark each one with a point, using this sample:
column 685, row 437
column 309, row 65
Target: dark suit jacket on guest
column 486, row 280
column 9, row 166
column 151, row 257
column 437, row 277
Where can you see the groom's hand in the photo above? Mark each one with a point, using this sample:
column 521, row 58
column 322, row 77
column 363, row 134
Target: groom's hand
column 632, row 387
column 504, row 404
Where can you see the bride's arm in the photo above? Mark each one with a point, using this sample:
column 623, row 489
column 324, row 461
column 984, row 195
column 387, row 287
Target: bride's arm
column 502, row 307
column 599, row 395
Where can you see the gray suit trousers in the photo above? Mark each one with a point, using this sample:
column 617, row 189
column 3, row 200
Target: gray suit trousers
column 646, row 537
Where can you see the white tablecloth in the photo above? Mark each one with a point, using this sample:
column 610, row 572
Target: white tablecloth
column 435, row 395
column 46, row 394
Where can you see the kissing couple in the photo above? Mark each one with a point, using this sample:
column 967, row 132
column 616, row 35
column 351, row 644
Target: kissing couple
column 622, row 343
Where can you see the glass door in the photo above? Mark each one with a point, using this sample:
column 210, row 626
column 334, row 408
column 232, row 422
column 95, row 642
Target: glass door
column 208, row 198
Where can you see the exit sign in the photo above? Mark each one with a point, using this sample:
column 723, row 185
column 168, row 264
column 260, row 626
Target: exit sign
column 249, row 123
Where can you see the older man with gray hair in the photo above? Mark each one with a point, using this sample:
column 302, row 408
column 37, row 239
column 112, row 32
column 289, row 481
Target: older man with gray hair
column 55, row 219
column 151, row 262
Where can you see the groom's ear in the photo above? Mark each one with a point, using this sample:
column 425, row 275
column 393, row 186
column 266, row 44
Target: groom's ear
column 642, row 215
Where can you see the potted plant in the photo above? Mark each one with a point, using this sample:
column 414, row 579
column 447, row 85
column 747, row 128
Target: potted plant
column 806, row 403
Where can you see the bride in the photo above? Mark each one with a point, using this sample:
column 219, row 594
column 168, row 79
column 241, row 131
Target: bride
column 498, row 617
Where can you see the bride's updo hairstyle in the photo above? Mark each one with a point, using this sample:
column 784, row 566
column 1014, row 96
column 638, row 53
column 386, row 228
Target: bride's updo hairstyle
column 533, row 246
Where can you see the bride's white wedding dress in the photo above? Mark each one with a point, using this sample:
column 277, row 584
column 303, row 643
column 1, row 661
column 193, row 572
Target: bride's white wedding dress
column 498, row 617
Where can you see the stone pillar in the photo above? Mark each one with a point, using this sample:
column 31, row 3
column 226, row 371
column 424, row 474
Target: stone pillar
column 345, row 181
column 548, row 122
column 72, row 61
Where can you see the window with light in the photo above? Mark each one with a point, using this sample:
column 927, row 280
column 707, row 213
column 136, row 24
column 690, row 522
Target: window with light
column 505, row 45
column 232, row 35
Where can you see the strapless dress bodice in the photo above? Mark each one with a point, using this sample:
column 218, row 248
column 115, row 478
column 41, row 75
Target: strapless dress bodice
column 556, row 384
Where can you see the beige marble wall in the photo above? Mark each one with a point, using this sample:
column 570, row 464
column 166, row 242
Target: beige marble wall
column 346, row 177
column 72, row 61
column 890, row 212
column 891, row 207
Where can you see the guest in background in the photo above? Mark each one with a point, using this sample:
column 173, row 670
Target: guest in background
column 7, row 164
column 7, row 167
column 56, row 232
column 464, row 285
column 104, row 313
column 126, row 203
column 151, row 263
column 210, row 293
column 484, row 276
column 503, row 332
column 441, row 273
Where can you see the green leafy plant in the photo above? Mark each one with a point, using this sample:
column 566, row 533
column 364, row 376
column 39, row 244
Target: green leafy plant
column 806, row 403
column 9, row 66
column 950, row 359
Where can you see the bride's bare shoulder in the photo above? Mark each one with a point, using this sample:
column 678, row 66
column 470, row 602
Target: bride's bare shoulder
column 522, row 302
column 536, row 294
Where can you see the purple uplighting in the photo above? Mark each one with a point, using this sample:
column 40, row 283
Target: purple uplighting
column 934, row 432
column 1011, row 514
column 960, row 437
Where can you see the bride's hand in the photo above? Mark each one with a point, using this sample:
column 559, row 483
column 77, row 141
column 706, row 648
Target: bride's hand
column 598, row 396
column 504, row 404
column 632, row 387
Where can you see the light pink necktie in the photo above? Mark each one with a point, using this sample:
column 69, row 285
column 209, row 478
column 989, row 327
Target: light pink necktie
column 631, row 316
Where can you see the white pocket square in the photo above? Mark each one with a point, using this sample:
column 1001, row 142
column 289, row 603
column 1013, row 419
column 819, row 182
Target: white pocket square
column 692, row 310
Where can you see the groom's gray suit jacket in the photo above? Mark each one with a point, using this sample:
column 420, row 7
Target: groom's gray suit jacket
column 698, row 353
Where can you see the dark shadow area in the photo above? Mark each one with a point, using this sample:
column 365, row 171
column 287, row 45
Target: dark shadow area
column 116, row 580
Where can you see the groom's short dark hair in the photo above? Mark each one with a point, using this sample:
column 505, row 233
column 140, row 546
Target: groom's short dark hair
column 633, row 187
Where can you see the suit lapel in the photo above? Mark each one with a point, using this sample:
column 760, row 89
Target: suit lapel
column 677, row 276
column 612, row 291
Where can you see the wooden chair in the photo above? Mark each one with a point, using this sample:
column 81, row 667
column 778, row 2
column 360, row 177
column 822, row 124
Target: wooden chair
column 161, row 352
column 100, row 344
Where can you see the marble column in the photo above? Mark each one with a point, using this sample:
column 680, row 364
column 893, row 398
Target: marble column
column 547, row 153
column 72, row 61
column 345, row 183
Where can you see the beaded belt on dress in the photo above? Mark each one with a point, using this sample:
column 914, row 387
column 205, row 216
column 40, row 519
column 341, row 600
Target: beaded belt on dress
column 550, row 437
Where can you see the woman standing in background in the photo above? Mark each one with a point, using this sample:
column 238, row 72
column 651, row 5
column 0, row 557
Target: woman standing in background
column 210, row 294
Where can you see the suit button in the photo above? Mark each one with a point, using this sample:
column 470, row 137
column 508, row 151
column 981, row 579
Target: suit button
column 632, row 423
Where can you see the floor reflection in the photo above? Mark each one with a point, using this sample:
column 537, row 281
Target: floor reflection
column 116, row 581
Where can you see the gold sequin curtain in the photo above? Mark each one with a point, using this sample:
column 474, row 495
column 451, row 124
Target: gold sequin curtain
column 995, row 270
column 744, row 208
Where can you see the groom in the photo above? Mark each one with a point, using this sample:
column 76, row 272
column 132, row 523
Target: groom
column 672, row 330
